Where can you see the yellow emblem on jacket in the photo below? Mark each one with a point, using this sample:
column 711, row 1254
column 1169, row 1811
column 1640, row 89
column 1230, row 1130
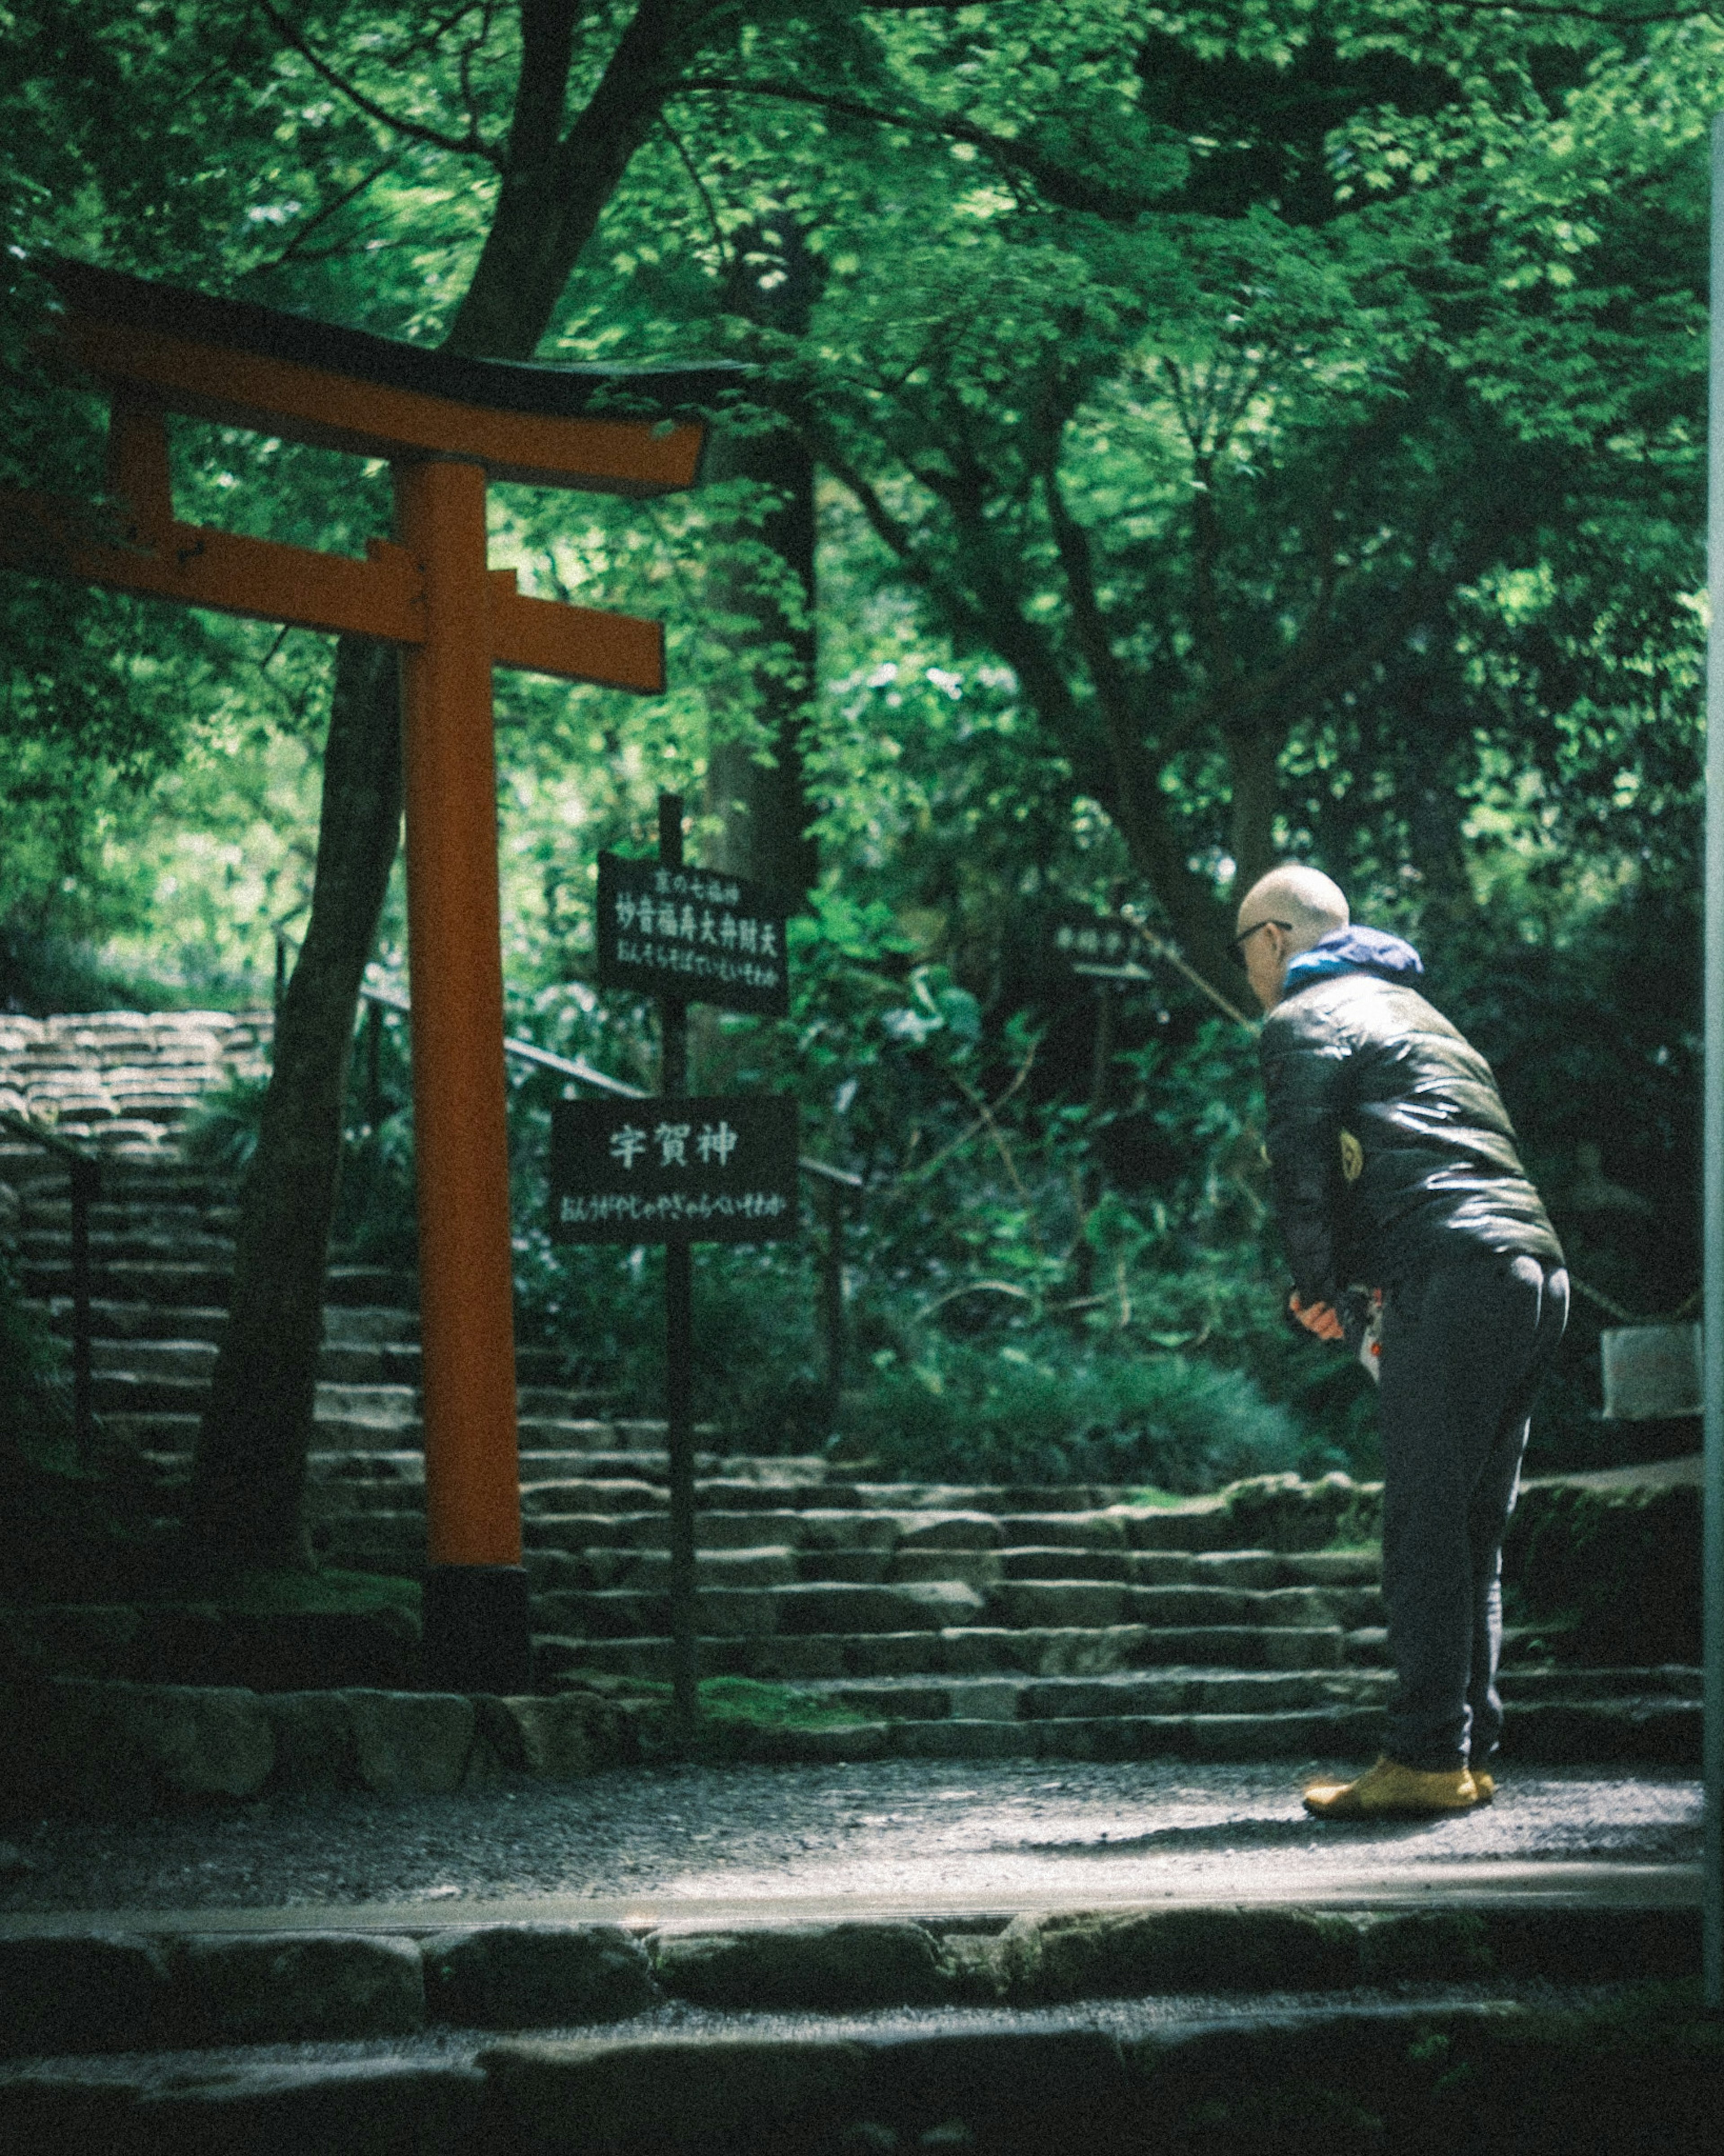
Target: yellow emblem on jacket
column 1352, row 1158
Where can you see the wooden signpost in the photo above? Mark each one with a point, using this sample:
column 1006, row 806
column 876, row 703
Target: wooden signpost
column 447, row 425
column 680, row 1170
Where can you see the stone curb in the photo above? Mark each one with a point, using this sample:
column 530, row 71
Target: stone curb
column 93, row 1748
column 121, row 1990
column 1402, row 2075
column 83, row 1745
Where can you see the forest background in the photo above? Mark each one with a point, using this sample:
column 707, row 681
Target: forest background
column 1173, row 438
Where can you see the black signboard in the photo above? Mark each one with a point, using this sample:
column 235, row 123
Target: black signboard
column 715, row 1168
column 692, row 933
column 1079, row 937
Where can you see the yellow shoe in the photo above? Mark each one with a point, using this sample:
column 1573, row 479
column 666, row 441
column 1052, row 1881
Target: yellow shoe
column 1484, row 1783
column 1390, row 1790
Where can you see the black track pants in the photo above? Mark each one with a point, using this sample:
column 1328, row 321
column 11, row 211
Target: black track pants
column 1463, row 1352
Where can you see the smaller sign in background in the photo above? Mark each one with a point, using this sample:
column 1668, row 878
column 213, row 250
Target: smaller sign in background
column 706, row 1168
column 1079, row 937
column 693, row 933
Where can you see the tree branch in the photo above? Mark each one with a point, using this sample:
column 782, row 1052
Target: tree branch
column 1121, row 720
column 547, row 46
column 427, row 39
column 550, row 207
column 322, row 217
column 471, row 145
column 897, row 536
column 700, row 186
column 1070, row 190
column 1206, row 549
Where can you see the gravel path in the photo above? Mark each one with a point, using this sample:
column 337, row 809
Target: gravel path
column 883, row 1831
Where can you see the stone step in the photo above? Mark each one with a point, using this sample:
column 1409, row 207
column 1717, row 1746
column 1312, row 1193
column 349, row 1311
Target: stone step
column 1132, row 1693
column 194, row 1360
column 154, row 1245
column 795, row 1484
column 958, row 1648
column 645, row 1568
column 1155, row 1692
column 140, row 1321
column 358, row 1326
column 163, row 1179
column 166, row 1440
column 204, row 1645
column 128, row 1395
column 170, row 1349
column 624, row 1503
column 619, row 1613
column 831, row 1517
column 133, row 1282
column 628, row 1513
column 816, row 1602
column 394, row 1407
column 720, row 1517
column 177, row 1285
column 1659, row 1731
column 145, row 1360
column 818, row 1526
column 131, row 1189
column 353, row 1323
column 877, row 2031
column 407, row 1464
column 45, row 1209
column 1523, row 1684
column 1298, row 1733
column 166, row 1436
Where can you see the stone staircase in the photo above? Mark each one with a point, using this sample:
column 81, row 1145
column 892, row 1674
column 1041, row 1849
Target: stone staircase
column 1194, row 2030
column 911, row 1617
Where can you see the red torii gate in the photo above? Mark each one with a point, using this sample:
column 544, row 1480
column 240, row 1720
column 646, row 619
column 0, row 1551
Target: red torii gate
column 447, row 425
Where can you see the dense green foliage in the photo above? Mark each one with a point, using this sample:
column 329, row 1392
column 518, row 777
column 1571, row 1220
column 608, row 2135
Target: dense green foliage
column 1270, row 427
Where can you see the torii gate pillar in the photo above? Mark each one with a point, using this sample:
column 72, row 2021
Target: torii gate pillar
column 447, row 425
column 475, row 1615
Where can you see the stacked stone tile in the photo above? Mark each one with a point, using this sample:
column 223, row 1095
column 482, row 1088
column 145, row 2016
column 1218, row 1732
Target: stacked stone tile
column 123, row 1080
column 968, row 1621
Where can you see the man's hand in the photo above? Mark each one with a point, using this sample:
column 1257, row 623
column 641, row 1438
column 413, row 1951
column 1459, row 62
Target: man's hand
column 1317, row 1317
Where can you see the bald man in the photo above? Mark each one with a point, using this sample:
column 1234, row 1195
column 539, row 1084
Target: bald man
column 1394, row 1171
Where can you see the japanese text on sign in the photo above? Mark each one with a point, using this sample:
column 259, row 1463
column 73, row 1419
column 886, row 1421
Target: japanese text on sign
column 647, row 1214
column 655, row 1171
column 682, row 932
column 1092, row 939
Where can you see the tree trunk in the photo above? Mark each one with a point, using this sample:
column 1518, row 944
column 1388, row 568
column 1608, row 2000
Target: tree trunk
column 763, row 810
column 248, row 1474
column 1252, row 755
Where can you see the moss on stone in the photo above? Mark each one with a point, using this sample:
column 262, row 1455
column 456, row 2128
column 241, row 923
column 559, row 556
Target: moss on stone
column 1609, row 1572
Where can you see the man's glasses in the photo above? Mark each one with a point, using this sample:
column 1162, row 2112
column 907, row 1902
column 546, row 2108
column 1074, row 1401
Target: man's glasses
column 1237, row 948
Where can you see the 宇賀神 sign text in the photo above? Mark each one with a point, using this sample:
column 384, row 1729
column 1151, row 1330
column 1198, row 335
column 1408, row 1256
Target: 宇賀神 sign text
column 717, row 1169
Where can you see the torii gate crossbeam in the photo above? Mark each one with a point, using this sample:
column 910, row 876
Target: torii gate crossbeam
column 447, row 425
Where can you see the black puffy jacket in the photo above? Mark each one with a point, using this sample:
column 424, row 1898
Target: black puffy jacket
column 1390, row 1152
